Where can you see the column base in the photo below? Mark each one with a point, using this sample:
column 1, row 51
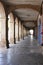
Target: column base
column 14, row 40
column 15, row 43
column 7, row 44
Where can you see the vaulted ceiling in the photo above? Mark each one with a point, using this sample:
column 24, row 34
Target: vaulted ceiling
column 34, row 2
column 26, row 10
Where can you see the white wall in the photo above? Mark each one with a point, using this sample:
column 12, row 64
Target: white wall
column 2, row 26
column 16, row 29
column 11, row 28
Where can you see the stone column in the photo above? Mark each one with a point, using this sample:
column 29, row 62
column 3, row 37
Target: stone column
column 21, row 30
column 23, row 33
column 14, row 31
column 7, row 42
column 18, row 29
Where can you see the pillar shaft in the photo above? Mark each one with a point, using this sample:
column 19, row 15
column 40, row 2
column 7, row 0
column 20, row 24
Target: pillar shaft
column 14, row 31
column 23, row 33
column 21, row 30
column 18, row 30
column 7, row 42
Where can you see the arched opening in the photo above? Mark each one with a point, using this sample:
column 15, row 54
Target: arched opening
column 31, row 31
column 2, row 27
column 11, row 28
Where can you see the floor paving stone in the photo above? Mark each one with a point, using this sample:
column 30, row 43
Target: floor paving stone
column 25, row 52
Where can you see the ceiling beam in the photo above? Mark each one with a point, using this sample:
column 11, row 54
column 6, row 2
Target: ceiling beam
column 27, row 6
column 13, row 7
column 29, row 20
column 29, row 27
column 35, row 22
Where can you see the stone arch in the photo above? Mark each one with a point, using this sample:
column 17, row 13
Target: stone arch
column 20, row 30
column 2, row 26
column 16, row 29
column 11, row 28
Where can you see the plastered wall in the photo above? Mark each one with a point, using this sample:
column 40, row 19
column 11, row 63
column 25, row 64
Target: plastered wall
column 16, row 29
column 19, row 30
column 11, row 28
column 2, row 26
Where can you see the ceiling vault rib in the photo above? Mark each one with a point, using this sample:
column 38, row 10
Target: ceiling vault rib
column 35, row 22
column 26, row 6
column 14, row 7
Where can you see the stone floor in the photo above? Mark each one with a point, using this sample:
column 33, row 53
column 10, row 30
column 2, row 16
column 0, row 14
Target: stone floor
column 25, row 52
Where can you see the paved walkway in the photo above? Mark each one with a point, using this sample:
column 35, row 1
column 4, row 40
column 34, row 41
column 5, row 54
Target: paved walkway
column 25, row 52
